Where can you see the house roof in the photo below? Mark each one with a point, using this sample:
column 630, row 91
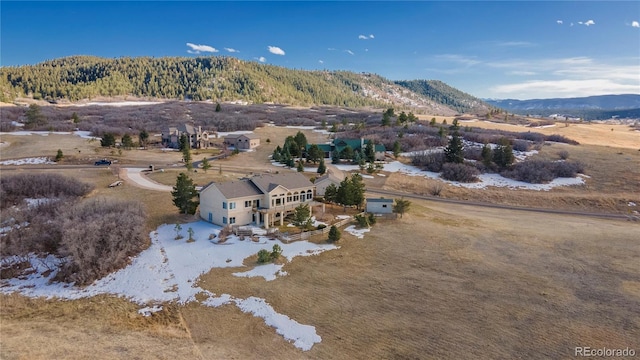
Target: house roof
column 323, row 147
column 380, row 200
column 340, row 144
column 330, row 176
column 290, row 181
column 236, row 189
column 235, row 136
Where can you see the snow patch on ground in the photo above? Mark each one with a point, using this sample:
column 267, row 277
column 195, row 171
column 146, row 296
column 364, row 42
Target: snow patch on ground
column 359, row 233
column 147, row 311
column 82, row 134
column 239, row 132
column 28, row 161
column 365, row 176
column 268, row 271
column 168, row 270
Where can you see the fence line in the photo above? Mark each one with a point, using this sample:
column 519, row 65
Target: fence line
column 307, row 234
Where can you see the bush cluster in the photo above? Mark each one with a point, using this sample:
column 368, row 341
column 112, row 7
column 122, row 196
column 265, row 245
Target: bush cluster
column 430, row 161
column 542, row 171
column 459, row 172
column 95, row 236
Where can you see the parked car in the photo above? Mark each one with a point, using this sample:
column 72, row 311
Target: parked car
column 102, row 162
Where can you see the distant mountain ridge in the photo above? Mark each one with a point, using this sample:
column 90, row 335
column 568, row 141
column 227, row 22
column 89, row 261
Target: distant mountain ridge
column 600, row 102
column 225, row 79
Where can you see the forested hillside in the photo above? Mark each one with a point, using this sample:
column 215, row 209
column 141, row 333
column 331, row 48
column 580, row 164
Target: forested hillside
column 442, row 93
column 219, row 79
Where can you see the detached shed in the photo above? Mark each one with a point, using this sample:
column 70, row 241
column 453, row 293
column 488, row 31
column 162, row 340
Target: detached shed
column 379, row 206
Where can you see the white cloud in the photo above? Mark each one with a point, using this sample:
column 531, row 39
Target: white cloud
column 231, row 50
column 587, row 23
column 559, row 22
column 467, row 61
column 321, row 62
column 635, row 24
column 332, row 49
column 366, row 49
column 197, row 49
column 365, row 37
column 563, row 88
column 261, row 59
column 275, row 50
column 521, row 73
column 349, row 52
column 371, row 36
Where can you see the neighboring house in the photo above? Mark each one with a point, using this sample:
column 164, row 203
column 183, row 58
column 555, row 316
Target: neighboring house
column 259, row 200
column 327, row 179
column 198, row 139
column 242, row 141
column 356, row 144
column 379, row 206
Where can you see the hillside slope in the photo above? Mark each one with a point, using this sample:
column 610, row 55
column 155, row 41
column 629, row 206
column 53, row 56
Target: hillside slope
column 206, row 78
column 442, row 93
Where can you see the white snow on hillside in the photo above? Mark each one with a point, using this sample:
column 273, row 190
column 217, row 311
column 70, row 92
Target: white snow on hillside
column 168, row 270
column 82, row 134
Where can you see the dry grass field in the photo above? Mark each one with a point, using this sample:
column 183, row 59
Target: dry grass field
column 446, row 281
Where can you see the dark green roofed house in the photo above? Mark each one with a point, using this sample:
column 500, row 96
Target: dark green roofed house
column 356, row 144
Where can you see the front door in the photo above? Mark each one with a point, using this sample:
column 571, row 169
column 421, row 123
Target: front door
column 210, row 217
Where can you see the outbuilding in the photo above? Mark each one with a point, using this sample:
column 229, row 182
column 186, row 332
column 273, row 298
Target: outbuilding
column 379, row 206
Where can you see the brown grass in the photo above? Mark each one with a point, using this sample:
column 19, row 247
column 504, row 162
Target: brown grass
column 446, row 281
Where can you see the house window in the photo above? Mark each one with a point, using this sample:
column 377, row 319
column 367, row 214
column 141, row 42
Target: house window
column 256, row 203
column 247, row 203
column 224, row 204
column 232, row 205
column 224, row 219
column 232, row 220
column 309, row 195
column 384, row 205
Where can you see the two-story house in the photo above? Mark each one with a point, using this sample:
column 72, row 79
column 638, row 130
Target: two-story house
column 260, row 200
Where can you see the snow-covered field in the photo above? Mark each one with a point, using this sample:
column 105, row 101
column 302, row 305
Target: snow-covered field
column 28, row 161
column 82, row 134
column 168, row 270
column 120, row 103
column 486, row 180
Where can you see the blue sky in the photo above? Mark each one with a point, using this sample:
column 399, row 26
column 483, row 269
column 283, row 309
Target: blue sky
column 501, row 49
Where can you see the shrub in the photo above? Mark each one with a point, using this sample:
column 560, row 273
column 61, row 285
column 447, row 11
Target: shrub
column 522, row 145
column 567, row 169
column 563, row 154
column 372, row 219
column 100, row 236
column 561, row 139
column 436, row 189
column 15, row 188
column 459, row 172
column 473, row 153
column 334, row 234
column 321, row 226
column 531, row 171
column 362, row 220
column 429, row 161
column 264, row 256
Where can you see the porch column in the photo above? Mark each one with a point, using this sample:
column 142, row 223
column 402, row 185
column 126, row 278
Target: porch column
column 281, row 218
column 266, row 220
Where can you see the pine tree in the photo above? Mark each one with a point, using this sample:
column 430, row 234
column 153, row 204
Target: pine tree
column 401, row 206
column 369, row 151
column 321, row 167
column 75, row 118
column 330, row 193
column 143, row 138
column 454, row 152
column 127, row 142
column 185, row 195
column 300, row 167
column 302, row 216
column 59, row 156
column 107, row 140
column 335, row 157
column 218, row 108
column 334, row 234
column 205, row 164
column 486, row 155
column 396, row 149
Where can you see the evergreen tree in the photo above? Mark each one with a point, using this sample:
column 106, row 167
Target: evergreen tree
column 143, row 138
column 59, row 156
column 107, row 140
column 183, row 142
column 433, row 121
column 34, row 117
column 218, row 108
column 300, row 167
column 186, row 157
column 396, row 149
column 402, row 118
column 127, row 142
column 185, row 195
column 75, row 118
column 386, row 119
column 411, row 118
column 335, row 157
column 330, row 193
column 486, row 155
column 314, row 153
column 334, row 128
column 503, row 154
column 454, row 152
column 302, row 216
column 370, row 152
column 334, row 234
column 321, row 167
column 401, row 206
column 205, row 164
column 301, row 140
column 347, row 153
column 276, row 154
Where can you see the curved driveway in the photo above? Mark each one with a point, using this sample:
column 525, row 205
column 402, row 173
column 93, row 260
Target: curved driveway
column 136, row 176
